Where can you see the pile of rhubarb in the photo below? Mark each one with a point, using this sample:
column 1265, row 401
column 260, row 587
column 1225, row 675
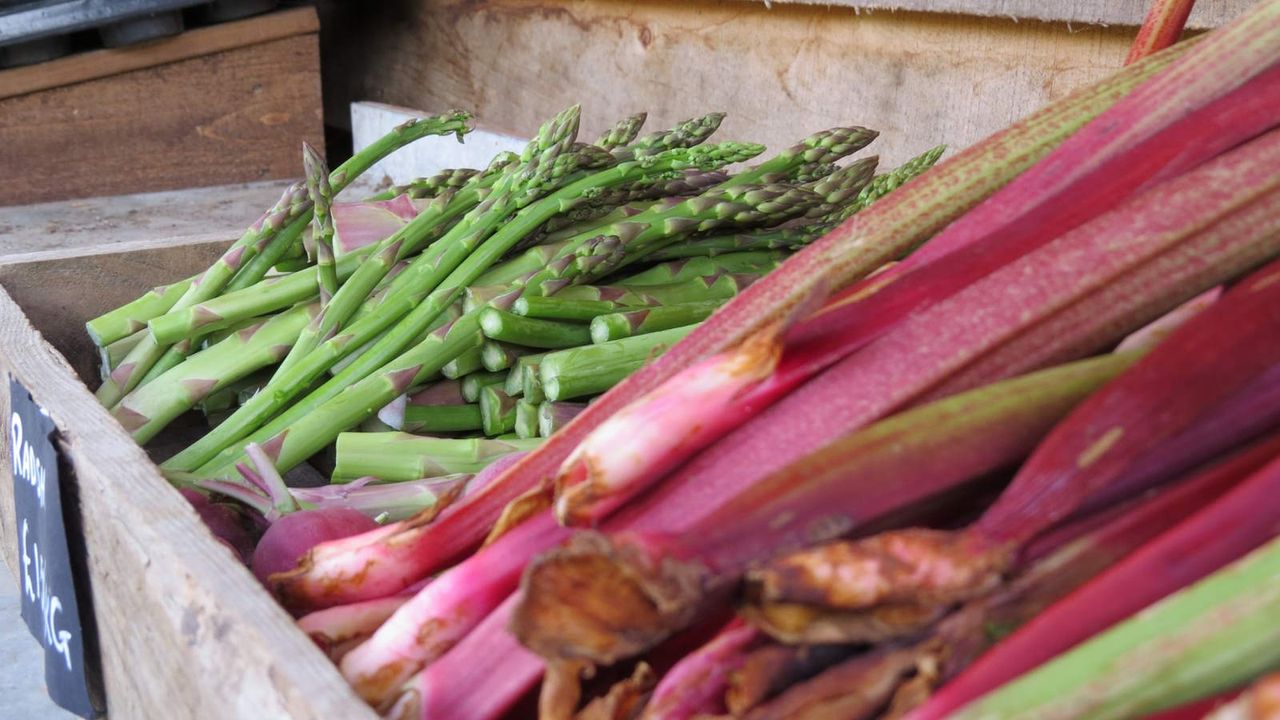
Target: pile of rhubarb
column 995, row 438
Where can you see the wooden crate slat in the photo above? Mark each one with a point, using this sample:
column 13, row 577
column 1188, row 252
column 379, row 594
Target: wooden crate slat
column 1207, row 13
column 185, row 630
column 193, row 43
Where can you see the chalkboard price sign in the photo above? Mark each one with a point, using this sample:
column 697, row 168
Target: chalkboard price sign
column 46, row 581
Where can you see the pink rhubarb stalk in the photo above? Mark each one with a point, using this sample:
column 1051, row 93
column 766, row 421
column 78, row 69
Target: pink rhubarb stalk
column 888, row 229
column 696, row 685
column 1224, row 530
column 1154, row 151
column 1211, row 385
column 479, row 679
column 335, row 629
column 1162, row 27
column 609, row 597
column 445, row 611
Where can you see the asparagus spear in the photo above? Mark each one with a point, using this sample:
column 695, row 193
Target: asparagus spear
column 514, row 384
column 496, row 356
column 743, row 203
column 530, row 332
column 112, row 354
column 151, row 407
column 427, row 419
column 133, row 316
column 590, row 370
column 277, row 228
column 321, row 194
column 526, row 425
column 396, row 457
column 531, row 383
column 622, row 132
column 557, row 308
column 688, row 269
column 806, row 160
column 618, row 325
column 684, row 135
column 603, row 299
column 431, row 186
column 473, row 383
column 497, row 411
column 463, row 365
column 311, row 424
column 554, row 415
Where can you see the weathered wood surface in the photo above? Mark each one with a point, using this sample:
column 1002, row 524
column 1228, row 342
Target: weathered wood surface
column 193, row 43
column 90, row 222
column 1206, row 14
column 920, row 78
column 236, row 115
column 186, row 632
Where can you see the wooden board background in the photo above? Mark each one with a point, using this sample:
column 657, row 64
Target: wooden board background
column 186, row 631
column 922, row 78
column 218, row 116
column 1206, row 14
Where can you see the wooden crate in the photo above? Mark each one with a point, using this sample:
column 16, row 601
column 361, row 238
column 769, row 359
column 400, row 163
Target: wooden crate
column 185, row 630
column 222, row 104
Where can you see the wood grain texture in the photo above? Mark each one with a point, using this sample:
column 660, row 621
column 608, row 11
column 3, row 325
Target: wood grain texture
column 1207, row 13
column 780, row 73
column 193, row 43
column 90, row 222
column 233, row 116
column 186, row 632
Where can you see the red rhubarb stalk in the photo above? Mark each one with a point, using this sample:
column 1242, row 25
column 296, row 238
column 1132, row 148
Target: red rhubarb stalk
column 696, row 685
column 611, row 597
column 480, row 678
column 1162, row 27
column 335, row 629
column 1150, row 152
column 1221, row 532
column 1152, row 334
column 888, row 229
column 451, row 606
column 1260, row 702
column 1211, row 385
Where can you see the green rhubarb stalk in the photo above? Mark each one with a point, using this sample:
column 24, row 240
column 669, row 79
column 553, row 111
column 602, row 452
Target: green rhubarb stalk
column 150, row 408
column 133, row 316
column 321, row 194
column 618, row 325
column 497, row 411
column 395, row 457
column 463, row 365
column 1209, row 637
column 266, row 241
column 497, row 356
column 531, row 332
column 526, row 425
column 473, row 383
column 592, row 369
column 427, row 419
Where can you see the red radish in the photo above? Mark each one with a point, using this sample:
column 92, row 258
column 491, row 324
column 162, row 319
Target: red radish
column 227, row 525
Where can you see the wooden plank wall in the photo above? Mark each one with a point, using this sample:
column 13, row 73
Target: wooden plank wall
column 223, row 104
column 781, row 71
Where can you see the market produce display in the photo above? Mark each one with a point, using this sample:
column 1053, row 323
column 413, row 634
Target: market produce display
column 651, row 427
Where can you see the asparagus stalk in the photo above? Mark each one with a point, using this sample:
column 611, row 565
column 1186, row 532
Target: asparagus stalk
column 132, row 317
column 430, row 419
column 497, row 411
column 530, row 332
column 554, row 415
column 431, row 186
column 526, row 425
column 321, row 194
column 619, row 325
column 558, row 308
column 443, row 392
column 395, row 457
column 150, row 408
column 725, row 207
column 473, row 383
column 622, row 132
column 592, row 369
column 686, row 134
column 808, row 158
column 1209, row 637
column 758, row 262
column 497, row 356
column 514, row 384
column 531, row 383
column 463, row 365
column 112, row 354
column 278, row 228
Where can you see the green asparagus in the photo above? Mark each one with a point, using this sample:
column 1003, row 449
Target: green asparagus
column 592, row 369
column 397, row 456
